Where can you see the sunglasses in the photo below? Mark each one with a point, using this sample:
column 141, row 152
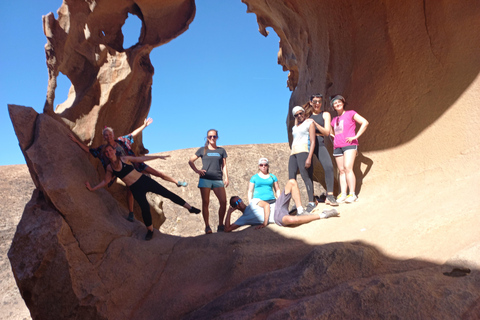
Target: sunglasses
column 317, row 102
column 238, row 202
column 298, row 114
column 263, row 165
column 212, row 137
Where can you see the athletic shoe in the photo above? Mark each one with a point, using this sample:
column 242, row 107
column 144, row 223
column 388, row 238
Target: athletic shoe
column 194, row 210
column 149, row 235
column 310, row 207
column 182, row 183
column 293, row 211
column 322, row 198
column 351, row 198
column 221, row 229
column 331, row 200
column 208, row 230
column 341, row 198
column 329, row 213
column 131, row 217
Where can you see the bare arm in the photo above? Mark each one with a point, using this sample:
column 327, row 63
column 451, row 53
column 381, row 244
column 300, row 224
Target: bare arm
column 201, row 173
column 311, row 130
column 276, row 187
column 145, row 124
column 325, row 131
column 108, row 177
column 363, row 125
column 143, row 158
column 225, row 172
column 228, row 226
column 251, row 185
column 80, row 144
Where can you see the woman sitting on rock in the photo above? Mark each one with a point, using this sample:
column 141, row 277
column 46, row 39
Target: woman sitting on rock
column 138, row 183
column 263, row 188
column 345, row 146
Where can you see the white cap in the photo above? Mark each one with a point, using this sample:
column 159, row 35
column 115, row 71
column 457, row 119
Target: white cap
column 296, row 109
column 263, row 161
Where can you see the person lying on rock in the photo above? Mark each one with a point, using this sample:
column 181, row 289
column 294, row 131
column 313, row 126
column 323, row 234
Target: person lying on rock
column 123, row 146
column 139, row 184
column 281, row 215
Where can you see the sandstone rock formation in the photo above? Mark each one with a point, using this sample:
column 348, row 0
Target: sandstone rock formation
column 411, row 68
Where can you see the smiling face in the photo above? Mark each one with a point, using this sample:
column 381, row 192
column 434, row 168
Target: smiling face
column 300, row 116
column 108, row 136
column 263, row 167
column 317, row 104
column 338, row 105
column 212, row 137
column 110, row 153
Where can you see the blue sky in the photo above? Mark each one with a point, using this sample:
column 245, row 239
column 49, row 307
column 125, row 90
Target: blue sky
column 221, row 73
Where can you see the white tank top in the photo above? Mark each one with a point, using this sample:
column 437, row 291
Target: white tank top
column 301, row 137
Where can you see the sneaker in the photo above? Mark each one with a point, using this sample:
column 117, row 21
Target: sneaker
column 131, row 217
column 194, row 210
column 293, row 211
column 221, row 229
column 208, row 230
column 182, row 183
column 341, row 198
column 329, row 213
column 322, row 198
column 331, row 200
column 351, row 198
column 310, row 207
column 149, row 235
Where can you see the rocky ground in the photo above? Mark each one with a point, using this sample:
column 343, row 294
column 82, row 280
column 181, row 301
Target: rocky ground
column 15, row 191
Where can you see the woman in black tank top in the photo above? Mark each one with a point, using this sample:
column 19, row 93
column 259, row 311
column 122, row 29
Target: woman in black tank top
column 322, row 121
column 139, row 184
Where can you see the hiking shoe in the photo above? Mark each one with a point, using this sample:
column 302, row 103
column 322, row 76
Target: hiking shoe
column 194, row 210
column 221, row 229
column 130, row 217
column 310, row 207
column 322, row 198
column 293, row 211
column 149, row 235
column 331, row 200
column 351, row 198
column 208, row 230
column 341, row 198
column 329, row 213
column 182, row 183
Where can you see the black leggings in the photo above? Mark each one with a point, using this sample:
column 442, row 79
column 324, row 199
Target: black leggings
column 324, row 158
column 297, row 162
column 145, row 184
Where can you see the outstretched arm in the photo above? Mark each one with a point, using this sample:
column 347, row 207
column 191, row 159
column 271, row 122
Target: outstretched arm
column 80, row 144
column 145, row 124
column 144, row 158
column 230, row 227
column 108, row 177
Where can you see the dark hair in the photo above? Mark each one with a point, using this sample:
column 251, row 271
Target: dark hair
column 316, row 95
column 232, row 201
column 206, row 142
column 337, row 97
column 308, row 110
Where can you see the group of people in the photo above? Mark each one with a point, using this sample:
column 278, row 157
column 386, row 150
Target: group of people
column 266, row 202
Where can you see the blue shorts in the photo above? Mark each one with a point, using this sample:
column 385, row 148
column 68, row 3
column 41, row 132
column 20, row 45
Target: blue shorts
column 338, row 152
column 210, row 184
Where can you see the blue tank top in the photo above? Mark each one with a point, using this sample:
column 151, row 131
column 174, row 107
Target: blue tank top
column 126, row 169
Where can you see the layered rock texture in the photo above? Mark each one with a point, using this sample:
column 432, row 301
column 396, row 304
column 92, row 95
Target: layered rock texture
column 408, row 249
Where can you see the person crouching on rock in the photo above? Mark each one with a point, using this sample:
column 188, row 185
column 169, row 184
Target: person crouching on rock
column 138, row 183
column 281, row 215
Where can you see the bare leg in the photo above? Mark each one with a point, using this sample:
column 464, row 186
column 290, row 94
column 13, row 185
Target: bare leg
column 292, row 187
column 343, row 178
column 349, row 159
column 295, row 221
column 222, row 198
column 205, row 193
column 159, row 174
